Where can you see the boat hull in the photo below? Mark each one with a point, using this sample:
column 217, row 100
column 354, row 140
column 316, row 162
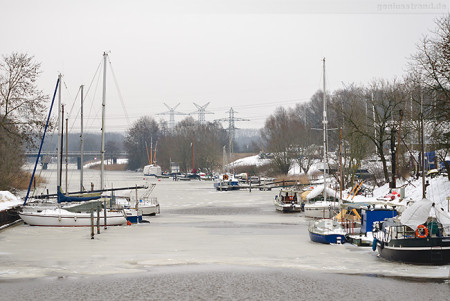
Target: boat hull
column 134, row 219
column 65, row 219
column 327, row 238
column 150, row 210
column 288, row 208
column 431, row 251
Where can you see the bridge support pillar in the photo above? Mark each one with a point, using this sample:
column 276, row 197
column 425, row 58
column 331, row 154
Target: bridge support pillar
column 44, row 162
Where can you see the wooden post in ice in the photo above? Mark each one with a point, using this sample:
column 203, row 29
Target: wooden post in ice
column 104, row 212
column 137, row 206
column 98, row 219
column 92, row 223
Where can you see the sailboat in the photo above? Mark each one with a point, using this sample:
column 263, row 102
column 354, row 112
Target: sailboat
column 325, row 230
column 325, row 208
column 152, row 169
column 73, row 215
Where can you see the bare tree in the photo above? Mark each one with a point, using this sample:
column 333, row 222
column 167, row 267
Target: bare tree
column 430, row 70
column 352, row 103
column 22, row 104
column 279, row 136
column 384, row 101
column 432, row 62
column 22, row 112
column 137, row 141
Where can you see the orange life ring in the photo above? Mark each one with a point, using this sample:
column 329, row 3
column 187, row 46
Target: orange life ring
column 291, row 198
column 419, row 230
column 225, row 177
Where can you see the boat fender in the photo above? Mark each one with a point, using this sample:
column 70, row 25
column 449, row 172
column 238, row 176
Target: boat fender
column 59, row 218
column 75, row 218
column 422, row 231
column 128, row 223
column 374, row 244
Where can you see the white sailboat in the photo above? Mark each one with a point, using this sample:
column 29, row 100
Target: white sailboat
column 73, row 215
column 152, row 170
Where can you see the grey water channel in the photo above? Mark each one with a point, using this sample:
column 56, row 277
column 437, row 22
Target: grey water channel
column 205, row 245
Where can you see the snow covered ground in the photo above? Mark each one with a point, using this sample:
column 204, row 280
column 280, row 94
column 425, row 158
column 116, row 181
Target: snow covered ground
column 252, row 160
column 119, row 161
column 438, row 190
column 8, row 200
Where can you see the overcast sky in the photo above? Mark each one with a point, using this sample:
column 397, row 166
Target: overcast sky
column 252, row 55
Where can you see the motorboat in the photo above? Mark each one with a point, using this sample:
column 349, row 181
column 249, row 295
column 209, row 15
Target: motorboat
column 288, row 201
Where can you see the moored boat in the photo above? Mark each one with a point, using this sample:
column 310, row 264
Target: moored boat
column 226, row 182
column 59, row 217
column 288, row 201
column 421, row 235
column 327, row 231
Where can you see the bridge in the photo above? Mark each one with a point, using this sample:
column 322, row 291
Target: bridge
column 45, row 156
column 75, row 154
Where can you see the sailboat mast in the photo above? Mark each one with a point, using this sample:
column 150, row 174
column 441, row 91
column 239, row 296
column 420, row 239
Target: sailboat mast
column 341, row 176
column 324, row 137
column 102, row 162
column 151, row 150
column 58, row 146
column 422, row 145
column 81, row 141
column 61, row 147
column 42, row 142
column 193, row 154
column 67, row 152
column 148, row 156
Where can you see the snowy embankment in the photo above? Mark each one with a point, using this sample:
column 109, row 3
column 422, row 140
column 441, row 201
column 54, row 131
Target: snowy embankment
column 257, row 161
column 437, row 191
column 248, row 161
column 119, row 161
column 8, row 200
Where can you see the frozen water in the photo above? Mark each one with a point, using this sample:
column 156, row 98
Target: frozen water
column 198, row 227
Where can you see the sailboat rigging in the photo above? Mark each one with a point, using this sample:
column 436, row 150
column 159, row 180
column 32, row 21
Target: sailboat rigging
column 322, row 209
column 65, row 215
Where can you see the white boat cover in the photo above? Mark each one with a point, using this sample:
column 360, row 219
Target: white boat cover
column 418, row 213
column 318, row 190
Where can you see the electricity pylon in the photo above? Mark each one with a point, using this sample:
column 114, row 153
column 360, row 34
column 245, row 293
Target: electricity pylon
column 171, row 114
column 231, row 128
column 201, row 111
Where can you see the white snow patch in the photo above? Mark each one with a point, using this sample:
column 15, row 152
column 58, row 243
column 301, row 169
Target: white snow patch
column 252, row 160
column 8, row 200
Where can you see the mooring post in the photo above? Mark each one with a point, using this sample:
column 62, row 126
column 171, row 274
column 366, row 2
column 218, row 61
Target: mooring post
column 104, row 211
column 92, row 223
column 98, row 219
